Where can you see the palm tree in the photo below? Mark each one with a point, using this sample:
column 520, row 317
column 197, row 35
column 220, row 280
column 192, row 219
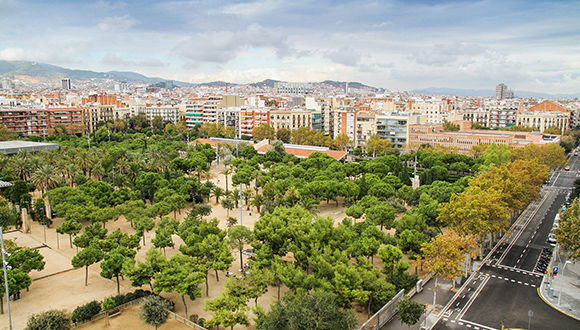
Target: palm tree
column 217, row 192
column 257, row 201
column 293, row 193
column 99, row 171
column 45, row 178
column 21, row 167
column 248, row 193
column 310, row 205
column 227, row 171
column 71, row 171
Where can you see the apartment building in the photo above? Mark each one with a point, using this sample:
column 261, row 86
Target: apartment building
column 365, row 127
column 93, row 113
column 395, row 127
column 466, row 138
column 290, row 119
column 292, row 88
column 477, row 115
column 431, row 111
column 168, row 113
column 229, row 117
column 344, row 122
column 41, row 121
column 501, row 116
column 253, row 117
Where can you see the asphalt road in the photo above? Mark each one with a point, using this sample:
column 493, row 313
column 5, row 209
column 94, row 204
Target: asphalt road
column 505, row 288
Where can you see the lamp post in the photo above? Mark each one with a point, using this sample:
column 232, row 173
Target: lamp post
column 29, row 217
column 4, row 253
column 530, row 314
column 241, row 206
column 44, row 222
column 562, row 281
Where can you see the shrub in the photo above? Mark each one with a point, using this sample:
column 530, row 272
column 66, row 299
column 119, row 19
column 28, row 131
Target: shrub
column 86, row 312
column 52, row 319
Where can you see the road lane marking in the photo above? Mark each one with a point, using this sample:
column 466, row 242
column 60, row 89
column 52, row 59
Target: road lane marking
column 472, row 298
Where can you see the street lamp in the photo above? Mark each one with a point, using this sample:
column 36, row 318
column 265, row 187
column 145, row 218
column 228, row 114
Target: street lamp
column 561, row 281
column 4, row 266
column 29, row 217
column 530, row 314
column 43, row 216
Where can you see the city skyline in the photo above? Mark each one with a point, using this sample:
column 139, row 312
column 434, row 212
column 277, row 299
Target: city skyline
column 389, row 44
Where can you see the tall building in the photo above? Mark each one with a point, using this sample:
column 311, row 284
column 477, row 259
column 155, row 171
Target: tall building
column 7, row 84
column 65, row 84
column 502, row 92
column 293, row 89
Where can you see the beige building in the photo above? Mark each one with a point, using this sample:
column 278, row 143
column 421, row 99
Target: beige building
column 95, row 113
column 290, row 119
column 466, row 138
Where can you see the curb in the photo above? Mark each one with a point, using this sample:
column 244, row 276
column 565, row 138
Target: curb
column 553, row 306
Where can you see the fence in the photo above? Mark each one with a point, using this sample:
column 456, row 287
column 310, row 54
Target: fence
column 186, row 321
column 384, row 314
column 136, row 302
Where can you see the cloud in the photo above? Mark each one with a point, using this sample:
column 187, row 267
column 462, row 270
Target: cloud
column 224, row 46
column 112, row 59
column 252, row 8
column 106, row 5
column 41, row 54
column 443, row 54
column 152, row 62
column 345, row 56
column 117, row 23
column 8, row 7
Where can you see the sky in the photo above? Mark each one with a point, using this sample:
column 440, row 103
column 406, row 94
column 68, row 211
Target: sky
column 397, row 45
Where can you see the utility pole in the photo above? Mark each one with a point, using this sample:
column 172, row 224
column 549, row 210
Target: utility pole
column 241, row 206
column 4, row 253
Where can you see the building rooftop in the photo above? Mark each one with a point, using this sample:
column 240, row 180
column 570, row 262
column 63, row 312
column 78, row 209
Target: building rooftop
column 12, row 147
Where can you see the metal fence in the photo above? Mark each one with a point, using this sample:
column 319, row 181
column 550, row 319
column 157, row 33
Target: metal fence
column 186, row 321
column 384, row 314
column 136, row 302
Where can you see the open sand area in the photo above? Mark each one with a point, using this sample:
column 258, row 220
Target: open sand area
column 60, row 286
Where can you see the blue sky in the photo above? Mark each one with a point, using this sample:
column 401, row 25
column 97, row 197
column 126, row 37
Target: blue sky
column 398, row 45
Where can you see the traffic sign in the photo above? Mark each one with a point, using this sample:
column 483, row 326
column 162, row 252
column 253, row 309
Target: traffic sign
column 555, row 270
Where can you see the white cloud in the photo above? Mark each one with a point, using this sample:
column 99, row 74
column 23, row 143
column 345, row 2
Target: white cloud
column 252, row 8
column 223, row 46
column 114, row 60
column 152, row 62
column 41, row 54
column 345, row 56
column 117, row 23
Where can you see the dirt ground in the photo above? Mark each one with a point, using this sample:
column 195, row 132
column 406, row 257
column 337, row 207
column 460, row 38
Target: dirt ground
column 129, row 319
column 60, row 286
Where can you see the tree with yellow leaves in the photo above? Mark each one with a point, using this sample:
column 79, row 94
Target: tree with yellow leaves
column 476, row 212
column 444, row 254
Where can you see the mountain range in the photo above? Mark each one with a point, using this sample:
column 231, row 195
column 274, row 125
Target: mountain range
column 32, row 72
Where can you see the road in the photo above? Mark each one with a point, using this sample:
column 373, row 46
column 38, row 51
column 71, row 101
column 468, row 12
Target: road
column 505, row 287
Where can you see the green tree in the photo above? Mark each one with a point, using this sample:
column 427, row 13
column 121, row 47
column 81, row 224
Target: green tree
column 154, row 311
column 390, row 255
column 227, row 310
column 182, row 275
column 264, row 131
column 284, row 135
column 112, row 264
column 381, row 214
column 568, row 231
column 314, row 311
column 108, row 305
column 17, row 280
column 86, row 257
column 228, row 204
column 157, row 122
column 409, row 312
column 52, row 319
column 144, row 225
column 26, row 260
column 69, row 227
column 238, row 237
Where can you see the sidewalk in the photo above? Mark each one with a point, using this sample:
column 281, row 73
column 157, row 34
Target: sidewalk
column 444, row 294
column 566, row 282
